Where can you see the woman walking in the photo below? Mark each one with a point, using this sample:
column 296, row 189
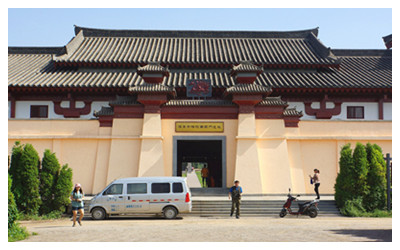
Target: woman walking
column 77, row 203
column 315, row 180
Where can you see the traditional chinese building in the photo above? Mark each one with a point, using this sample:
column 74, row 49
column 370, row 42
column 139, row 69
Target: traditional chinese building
column 262, row 107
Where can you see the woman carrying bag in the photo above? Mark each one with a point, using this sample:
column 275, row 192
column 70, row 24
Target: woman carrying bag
column 315, row 179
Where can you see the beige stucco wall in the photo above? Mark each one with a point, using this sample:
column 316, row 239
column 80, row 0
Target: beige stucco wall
column 285, row 156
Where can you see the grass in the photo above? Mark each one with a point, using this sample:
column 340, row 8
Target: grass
column 17, row 233
column 50, row 216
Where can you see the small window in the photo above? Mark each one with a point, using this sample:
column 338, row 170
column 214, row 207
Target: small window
column 177, row 187
column 39, row 111
column 160, row 188
column 114, row 189
column 355, row 112
column 137, row 188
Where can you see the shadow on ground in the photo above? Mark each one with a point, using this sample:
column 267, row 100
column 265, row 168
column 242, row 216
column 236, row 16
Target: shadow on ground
column 383, row 235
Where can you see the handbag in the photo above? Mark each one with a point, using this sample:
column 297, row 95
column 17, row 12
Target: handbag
column 311, row 181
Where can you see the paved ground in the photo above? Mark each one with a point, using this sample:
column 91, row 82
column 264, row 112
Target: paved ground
column 255, row 229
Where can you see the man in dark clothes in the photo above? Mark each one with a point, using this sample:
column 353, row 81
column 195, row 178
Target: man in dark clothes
column 236, row 193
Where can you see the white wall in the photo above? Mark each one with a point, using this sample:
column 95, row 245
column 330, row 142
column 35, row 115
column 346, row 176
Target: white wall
column 371, row 110
column 22, row 109
column 387, row 111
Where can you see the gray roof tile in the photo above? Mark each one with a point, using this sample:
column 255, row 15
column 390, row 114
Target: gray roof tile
column 196, row 47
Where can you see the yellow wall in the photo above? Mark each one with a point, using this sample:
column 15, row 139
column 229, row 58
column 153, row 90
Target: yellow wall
column 285, row 155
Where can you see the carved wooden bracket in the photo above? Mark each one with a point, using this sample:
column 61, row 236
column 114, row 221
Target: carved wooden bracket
column 323, row 112
column 72, row 111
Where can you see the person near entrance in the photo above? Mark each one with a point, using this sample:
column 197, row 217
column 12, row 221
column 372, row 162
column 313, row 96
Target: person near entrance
column 315, row 180
column 236, row 193
column 204, row 175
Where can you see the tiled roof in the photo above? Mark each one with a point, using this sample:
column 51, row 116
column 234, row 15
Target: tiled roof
column 104, row 111
column 247, row 66
column 155, row 88
column 152, row 68
column 292, row 112
column 196, row 47
column 248, row 89
column 273, row 101
column 199, row 103
column 359, row 69
column 124, row 101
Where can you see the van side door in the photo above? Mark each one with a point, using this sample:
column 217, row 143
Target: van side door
column 137, row 198
column 113, row 198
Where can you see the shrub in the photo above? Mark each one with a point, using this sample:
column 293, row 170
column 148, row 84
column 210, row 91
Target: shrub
column 344, row 187
column 12, row 207
column 29, row 165
column 376, row 179
column 16, row 233
column 353, row 208
column 63, row 189
column 16, row 173
column 48, row 178
column 360, row 170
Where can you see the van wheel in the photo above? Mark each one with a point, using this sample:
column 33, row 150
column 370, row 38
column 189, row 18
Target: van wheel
column 170, row 213
column 98, row 213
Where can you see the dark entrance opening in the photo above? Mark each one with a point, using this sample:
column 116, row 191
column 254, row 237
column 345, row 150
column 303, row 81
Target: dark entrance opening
column 201, row 153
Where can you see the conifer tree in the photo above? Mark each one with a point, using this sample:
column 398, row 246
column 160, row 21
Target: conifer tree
column 12, row 207
column 16, row 172
column 29, row 166
column 48, row 178
column 376, row 179
column 360, row 171
column 344, row 187
column 63, row 188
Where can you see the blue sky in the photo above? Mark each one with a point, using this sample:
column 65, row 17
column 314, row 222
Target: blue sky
column 338, row 28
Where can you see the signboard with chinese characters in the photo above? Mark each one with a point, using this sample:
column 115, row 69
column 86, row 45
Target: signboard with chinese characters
column 210, row 127
column 198, row 88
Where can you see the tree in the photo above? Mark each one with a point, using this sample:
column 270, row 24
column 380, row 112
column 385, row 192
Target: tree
column 16, row 171
column 29, row 166
column 344, row 187
column 48, row 178
column 360, row 170
column 63, row 188
column 376, row 179
column 12, row 207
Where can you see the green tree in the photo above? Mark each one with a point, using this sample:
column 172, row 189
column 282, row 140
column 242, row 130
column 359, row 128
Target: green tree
column 344, row 186
column 12, row 207
column 360, row 171
column 16, row 172
column 29, row 166
column 63, row 188
column 48, row 179
column 376, row 179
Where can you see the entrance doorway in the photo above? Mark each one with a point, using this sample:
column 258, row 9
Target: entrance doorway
column 193, row 153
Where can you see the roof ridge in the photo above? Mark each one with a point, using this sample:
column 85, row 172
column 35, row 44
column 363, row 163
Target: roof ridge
column 195, row 33
column 362, row 52
column 35, row 50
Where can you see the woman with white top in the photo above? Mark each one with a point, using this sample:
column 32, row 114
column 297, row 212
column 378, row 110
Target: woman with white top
column 316, row 181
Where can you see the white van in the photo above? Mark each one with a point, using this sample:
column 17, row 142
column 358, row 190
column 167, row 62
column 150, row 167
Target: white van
column 143, row 195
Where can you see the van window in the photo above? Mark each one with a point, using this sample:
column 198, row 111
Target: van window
column 160, row 188
column 177, row 187
column 114, row 189
column 137, row 188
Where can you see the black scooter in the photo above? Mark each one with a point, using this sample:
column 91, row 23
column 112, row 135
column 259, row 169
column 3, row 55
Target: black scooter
column 309, row 208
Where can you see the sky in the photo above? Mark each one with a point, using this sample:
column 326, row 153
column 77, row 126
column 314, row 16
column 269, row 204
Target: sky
column 338, row 28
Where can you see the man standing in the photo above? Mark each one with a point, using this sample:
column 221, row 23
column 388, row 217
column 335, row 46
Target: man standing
column 236, row 193
column 204, row 175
